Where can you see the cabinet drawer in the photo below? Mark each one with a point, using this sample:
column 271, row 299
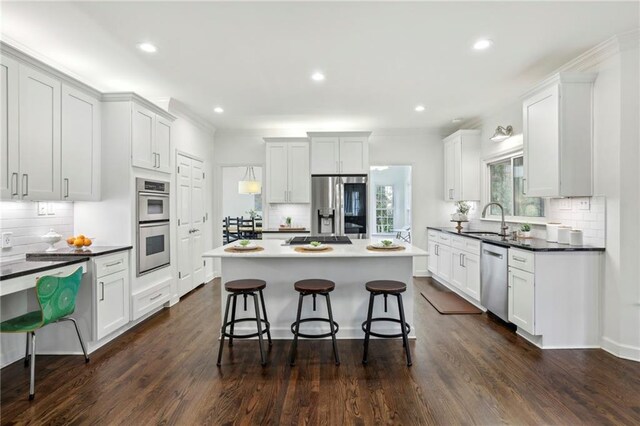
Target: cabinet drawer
column 521, row 259
column 444, row 238
column 149, row 299
column 470, row 245
column 433, row 235
column 111, row 264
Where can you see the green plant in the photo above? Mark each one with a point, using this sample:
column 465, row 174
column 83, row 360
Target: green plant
column 287, row 220
column 315, row 243
column 525, row 227
column 386, row 243
column 244, row 243
column 252, row 213
column 462, row 207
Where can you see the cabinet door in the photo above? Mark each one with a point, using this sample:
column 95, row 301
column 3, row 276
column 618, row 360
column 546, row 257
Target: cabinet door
column 458, row 273
column 448, row 171
column 471, row 265
column 277, row 164
column 541, row 143
column 325, row 155
column 522, row 299
column 299, row 175
column 444, row 262
column 163, row 145
column 80, row 146
column 354, row 155
column 142, row 138
column 432, row 259
column 39, row 135
column 9, row 143
column 112, row 302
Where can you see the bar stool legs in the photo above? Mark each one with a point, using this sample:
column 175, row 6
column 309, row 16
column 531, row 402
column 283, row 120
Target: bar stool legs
column 333, row 331
column 294, row 346
column 405, row 338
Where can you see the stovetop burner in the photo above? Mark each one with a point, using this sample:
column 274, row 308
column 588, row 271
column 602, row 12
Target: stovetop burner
column 325, row 239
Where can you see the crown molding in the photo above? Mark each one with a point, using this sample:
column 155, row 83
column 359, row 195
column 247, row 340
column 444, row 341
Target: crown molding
column 178, row 108
column 9, row 50
column 134, row 97
column 629, row 40
column 286, row 139
column 347, row 133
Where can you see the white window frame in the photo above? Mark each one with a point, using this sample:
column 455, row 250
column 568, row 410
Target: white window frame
column 486, row 190
column 393, row 209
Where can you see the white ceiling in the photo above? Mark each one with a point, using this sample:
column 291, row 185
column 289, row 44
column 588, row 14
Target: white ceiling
column 255, row 59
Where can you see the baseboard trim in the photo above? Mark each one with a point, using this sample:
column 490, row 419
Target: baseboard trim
column 459, row 293
column 620, row 350
column 421, row 273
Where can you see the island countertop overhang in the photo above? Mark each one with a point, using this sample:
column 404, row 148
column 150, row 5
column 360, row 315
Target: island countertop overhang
column 277, row 249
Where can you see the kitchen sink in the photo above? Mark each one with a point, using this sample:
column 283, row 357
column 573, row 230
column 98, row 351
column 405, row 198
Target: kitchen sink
column 481, row 233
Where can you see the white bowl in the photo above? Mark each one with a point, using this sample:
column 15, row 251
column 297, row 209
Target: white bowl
column 310, row 247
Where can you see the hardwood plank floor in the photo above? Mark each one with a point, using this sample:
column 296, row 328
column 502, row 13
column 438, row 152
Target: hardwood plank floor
column 467, row 369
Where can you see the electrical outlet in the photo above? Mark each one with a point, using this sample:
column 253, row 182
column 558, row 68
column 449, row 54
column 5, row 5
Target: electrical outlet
column 50, row 209
column 582, row 203
column 6, row 239
column 565, row 204
column 42, row 208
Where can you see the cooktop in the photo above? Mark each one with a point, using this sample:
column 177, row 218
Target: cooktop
column 325, row 239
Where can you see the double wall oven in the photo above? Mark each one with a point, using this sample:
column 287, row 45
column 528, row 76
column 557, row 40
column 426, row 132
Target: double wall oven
column 153, row 225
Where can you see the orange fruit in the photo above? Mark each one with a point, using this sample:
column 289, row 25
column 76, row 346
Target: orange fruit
column 80, row 237
column 79, row 242
column 70, row 240
column 87, row 242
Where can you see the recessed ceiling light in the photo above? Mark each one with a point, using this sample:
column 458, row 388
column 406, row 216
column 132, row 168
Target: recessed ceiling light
column 419, row 108
column 147, row 47
column 218, row 110
column 317, row 76
column 482, row 44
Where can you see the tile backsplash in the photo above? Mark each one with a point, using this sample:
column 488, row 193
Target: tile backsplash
column 22, row 219
column 587, row 214
column 300, row 214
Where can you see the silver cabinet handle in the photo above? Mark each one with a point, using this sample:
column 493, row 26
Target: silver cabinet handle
column 158, row 154
column 108, row 265
column 25, row 186
column 436, row 247
column 451, row 194
column 519, row 259
column 66, row 187
column 155, row 297
column 462, row 260
column 102, row 296
column 14, row 191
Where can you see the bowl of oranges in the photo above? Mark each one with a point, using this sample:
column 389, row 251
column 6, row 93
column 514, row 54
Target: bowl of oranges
column 79, row 242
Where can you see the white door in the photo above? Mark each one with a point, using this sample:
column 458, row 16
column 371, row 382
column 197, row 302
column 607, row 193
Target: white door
column 541, row 143
column 9, row 143
column 325, row 155
column 142, row 138
column 39, row 135
column 163, row 145
column 354, row 157
column 185, row 226
column 458, row 272
column 444, row 262
column 432, row 259
column 471, row 263
column 197, row 219
column 299, row 175
column 80, row 146
column 112, row 303
column 277, row 165
column 521, row 299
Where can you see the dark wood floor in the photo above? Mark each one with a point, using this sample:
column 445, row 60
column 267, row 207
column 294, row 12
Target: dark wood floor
column 468, row 369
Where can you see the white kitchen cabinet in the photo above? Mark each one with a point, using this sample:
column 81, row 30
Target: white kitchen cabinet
column 462, row 166
column 80, row 146
column 9, row 142
column 458, row 273
column 471, row 265
column 339, row 153
column 443, row 255
column 432, row 259
column 150, row 139
column 558, row 137
column 522, row 299
column 39, row 106
column 288, row 178
column 112, row 294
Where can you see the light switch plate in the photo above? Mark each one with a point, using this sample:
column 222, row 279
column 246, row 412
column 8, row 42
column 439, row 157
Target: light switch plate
column 582, row 203
column 42, row 208
column 50, row 209
column 6, row 239
column 565, row 204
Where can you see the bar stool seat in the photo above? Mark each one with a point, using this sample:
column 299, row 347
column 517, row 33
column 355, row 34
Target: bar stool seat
column 245, row 285
column 314, row 286
column 386, row 286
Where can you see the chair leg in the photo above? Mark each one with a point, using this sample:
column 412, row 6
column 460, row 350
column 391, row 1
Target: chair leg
column 259, row 325
column 294, row 345
column 32, row 382
column 233, row 317
column 26, row 351
column 84, row 349
column 403, row 324
column 333, row 331
column 264, row 311
column 368, row 330
column 223, row 329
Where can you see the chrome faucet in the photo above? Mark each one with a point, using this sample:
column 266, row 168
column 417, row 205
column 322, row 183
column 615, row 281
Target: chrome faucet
column 503, row 226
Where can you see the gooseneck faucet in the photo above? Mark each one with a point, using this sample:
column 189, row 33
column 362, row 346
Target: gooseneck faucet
column 503, row 226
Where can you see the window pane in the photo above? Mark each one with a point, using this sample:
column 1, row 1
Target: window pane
column 501, row 187
column 523, row 205
column 384, row 208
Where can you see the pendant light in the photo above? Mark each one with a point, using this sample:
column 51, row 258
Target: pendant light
column 502, row 134
column 249, row 184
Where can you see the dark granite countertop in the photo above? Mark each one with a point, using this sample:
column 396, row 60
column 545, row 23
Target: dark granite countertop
column 532, row 244
column 284, row 231
column 72, row 252
column 19, row 268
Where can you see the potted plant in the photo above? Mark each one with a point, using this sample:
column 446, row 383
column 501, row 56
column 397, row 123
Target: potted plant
column 287, row 221
column 525, row 230
column 462, row 208
column 252, row 213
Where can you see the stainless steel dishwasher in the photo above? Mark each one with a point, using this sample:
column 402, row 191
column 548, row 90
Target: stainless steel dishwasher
column 494, row 278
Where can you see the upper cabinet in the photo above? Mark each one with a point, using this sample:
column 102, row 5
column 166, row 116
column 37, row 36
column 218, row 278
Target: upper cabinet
column 339, row 153
column 558, row 137
column 462, row 166
column 288, row 178
column 9, row 143
column 150, row 139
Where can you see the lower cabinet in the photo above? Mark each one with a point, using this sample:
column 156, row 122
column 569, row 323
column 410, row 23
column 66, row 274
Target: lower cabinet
column 112, row 293
column 455, row 266
column 465, row 272
column 522, row 299
column 443, row 256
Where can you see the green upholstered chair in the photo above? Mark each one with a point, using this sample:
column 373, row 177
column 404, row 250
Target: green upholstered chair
column 57, row 300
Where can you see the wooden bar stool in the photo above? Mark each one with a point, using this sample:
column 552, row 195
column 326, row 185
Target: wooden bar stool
column 245, row 288
column 386, row 288
column 313, row 287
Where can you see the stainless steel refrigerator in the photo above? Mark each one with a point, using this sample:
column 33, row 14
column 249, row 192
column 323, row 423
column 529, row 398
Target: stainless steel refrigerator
column 339, row 206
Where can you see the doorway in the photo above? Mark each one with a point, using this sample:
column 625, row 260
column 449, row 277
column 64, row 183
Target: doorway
column 242, row 212
column 390, row 202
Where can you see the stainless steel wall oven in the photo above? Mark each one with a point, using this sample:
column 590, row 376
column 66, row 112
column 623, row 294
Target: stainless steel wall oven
column 153, row 225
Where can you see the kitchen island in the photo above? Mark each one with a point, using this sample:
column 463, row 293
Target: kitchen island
column 350, row 266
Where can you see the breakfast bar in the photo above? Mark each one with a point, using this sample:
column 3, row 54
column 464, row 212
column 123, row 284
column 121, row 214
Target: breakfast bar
column 350, row 266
